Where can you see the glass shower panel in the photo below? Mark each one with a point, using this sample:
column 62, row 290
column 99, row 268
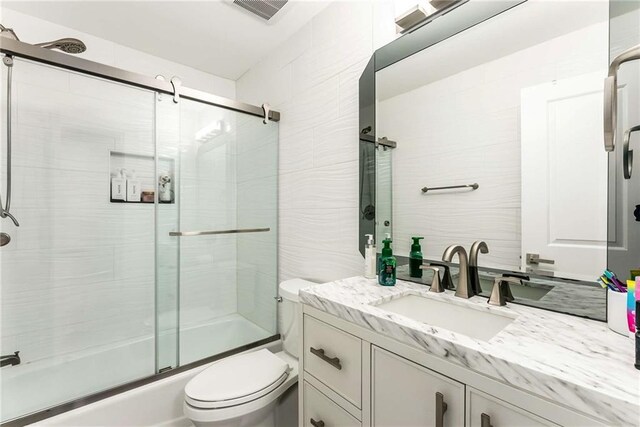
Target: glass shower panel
column 167, row 216
column 77, row 278
column 226, row 185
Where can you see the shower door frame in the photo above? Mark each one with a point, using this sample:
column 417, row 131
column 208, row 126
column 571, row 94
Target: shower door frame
column 65, row 61
column 84, row 66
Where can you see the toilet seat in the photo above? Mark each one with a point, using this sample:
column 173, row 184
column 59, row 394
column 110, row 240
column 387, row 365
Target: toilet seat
column 237, row 380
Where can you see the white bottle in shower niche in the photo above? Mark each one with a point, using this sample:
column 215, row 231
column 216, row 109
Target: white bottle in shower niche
column 133, row 188
column 119, row 186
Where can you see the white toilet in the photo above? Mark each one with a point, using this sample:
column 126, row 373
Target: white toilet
column 243, row 390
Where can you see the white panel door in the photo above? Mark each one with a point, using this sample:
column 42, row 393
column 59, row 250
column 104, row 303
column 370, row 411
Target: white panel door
column 564, row 177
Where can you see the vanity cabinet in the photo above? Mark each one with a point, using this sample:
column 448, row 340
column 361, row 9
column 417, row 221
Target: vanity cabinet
column 484, row 410
column 405, row 394
column 352, row 376
column 333, row 357
column 320, row 411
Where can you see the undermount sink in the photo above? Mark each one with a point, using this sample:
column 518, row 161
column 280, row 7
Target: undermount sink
column 472, row 322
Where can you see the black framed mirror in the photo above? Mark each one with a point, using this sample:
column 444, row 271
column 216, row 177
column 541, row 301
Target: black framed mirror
column 421, row 92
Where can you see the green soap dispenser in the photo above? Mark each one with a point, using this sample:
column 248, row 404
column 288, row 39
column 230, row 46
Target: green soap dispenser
column 415, row 258
column 387, row 264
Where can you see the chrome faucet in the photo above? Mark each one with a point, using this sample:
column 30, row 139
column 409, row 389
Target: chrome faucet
column 10, row 359
column 463, row 290
column 477, row 246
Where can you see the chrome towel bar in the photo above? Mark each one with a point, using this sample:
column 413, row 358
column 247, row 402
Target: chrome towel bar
column 210, row 232
column 473, row 186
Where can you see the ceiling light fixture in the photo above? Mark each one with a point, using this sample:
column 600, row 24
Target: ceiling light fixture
column 265, row 9
column 419, row 15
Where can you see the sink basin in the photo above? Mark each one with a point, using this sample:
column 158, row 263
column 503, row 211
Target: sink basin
column 472, row 322
column 528, row 290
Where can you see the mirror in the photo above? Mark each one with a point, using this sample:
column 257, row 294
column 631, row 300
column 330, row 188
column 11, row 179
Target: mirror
column 499, row 135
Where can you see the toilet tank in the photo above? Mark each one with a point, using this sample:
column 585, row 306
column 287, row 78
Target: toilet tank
column 288, row 313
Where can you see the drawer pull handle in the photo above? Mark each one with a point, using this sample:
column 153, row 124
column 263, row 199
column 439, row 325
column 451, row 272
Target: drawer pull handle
column 315, row 423
column 333, row 361
column 485, row 420
column 441, row 408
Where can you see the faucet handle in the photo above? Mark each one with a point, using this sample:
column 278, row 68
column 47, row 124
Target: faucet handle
column 436, row 286
column 501, row 292
column 447, row 281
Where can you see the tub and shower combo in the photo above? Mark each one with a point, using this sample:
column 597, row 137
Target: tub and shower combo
column 138, row 224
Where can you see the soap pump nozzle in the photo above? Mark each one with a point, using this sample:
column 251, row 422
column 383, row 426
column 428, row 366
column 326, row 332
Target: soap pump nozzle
column 369, row 239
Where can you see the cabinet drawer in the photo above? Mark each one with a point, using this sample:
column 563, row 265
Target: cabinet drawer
column 323, row 411
column 484, row 410
column 334, row 357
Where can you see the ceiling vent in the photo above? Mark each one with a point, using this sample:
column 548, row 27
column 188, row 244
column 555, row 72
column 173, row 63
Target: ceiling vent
column 265, row 9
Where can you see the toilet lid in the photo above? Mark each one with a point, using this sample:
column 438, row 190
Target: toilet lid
column 236, row 380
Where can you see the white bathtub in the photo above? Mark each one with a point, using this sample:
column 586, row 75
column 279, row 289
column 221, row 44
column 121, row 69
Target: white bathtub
column 31, row 387
column 158, row 404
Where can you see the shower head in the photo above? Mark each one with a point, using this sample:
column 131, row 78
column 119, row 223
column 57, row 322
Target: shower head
column 8, row 32
column 67, row 45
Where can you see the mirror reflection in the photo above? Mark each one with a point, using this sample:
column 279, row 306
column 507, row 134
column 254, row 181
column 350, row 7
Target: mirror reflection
column 499, row 132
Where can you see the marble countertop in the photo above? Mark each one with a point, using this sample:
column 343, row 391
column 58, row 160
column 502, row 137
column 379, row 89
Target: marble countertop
column 576, row 362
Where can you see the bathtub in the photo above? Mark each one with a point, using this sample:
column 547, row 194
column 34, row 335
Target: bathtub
column 31, row 387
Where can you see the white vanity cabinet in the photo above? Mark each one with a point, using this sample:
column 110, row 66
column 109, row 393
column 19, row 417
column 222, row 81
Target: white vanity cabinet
column 352, row 376
column 405, row 394
column 484, row 410
column 320, row 411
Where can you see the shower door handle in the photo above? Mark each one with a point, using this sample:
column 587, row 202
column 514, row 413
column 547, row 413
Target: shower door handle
column 210, row 232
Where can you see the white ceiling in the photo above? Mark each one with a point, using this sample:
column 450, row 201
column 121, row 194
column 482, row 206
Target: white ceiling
column 217, row 36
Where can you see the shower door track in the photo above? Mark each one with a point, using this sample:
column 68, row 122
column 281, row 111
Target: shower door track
column 73, row 63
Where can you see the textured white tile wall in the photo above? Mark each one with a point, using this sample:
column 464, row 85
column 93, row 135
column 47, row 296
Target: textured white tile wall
column 312, row 79
column 465, row 128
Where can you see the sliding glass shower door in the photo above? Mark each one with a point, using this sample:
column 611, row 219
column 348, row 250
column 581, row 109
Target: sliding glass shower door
column 77, row 277
column 224, row 176
column 146, row 238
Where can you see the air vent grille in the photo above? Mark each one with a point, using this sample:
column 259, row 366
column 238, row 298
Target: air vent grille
column 265, row 9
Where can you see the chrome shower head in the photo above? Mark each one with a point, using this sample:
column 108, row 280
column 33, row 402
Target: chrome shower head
column 67, row 45
column 8, row 32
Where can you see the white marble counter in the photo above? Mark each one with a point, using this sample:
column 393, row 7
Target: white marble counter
column 572, row 361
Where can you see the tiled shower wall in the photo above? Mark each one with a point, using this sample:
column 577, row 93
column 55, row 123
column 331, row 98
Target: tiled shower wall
column 79, row 273
column 312, row 79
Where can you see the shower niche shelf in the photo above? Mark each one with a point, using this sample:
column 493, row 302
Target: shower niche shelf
column 144, row 166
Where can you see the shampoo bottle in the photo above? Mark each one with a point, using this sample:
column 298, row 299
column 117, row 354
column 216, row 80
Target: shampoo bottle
column 387, row 264
column 370, row 258
column 133, row 188
column 415, row 258
column 119, row 186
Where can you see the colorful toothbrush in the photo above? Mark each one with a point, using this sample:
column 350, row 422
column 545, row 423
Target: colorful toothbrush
column 614, row 281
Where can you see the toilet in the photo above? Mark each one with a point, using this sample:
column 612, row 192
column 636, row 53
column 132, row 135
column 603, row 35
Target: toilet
column 243, row 390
